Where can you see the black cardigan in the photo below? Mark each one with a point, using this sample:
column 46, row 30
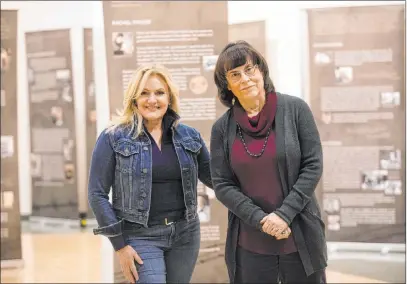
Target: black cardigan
column 299, row 154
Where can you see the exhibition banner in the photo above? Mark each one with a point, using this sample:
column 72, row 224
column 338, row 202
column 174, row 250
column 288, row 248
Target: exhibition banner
column 90, row 103
column 10, row 207
column 186, row 37
column 357, row 95
column 252, row 32
column 52, row 124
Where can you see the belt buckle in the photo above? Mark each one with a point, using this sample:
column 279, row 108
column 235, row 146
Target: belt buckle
column 166, row 222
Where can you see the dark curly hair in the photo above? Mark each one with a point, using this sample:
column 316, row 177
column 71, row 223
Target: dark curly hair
column 236, row 54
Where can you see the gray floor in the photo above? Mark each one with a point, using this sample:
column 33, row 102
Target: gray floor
column 387, row 271
column 391, row 269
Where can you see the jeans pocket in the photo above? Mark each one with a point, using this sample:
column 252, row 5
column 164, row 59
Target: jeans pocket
column 153, row 268
column 194, row 225
column 152, row 263
column 194, row 230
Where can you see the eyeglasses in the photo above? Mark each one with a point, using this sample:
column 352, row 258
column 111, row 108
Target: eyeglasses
column 236, row 76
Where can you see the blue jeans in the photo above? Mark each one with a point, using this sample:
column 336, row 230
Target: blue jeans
column 169, row 252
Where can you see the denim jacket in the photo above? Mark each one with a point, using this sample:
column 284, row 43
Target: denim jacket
column 124, row 163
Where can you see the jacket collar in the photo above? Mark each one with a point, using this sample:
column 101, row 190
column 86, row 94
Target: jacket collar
column 170, row 117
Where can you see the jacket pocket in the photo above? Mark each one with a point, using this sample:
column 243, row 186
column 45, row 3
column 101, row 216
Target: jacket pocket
column 316, row 217
column 313, row 230
column 189, row 163
column 192, row 145
column 126, row 155
column 126, row 151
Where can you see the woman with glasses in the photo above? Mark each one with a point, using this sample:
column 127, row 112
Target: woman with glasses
column 266, row 161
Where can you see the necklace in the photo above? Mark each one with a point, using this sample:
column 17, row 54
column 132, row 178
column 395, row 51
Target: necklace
column 245, row 146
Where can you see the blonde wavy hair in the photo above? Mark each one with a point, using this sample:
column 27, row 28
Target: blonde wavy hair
column 130, row 114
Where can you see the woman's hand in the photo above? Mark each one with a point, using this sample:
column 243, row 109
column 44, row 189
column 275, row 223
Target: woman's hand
column 283, row 235
column 127, row 256
column 275, row 226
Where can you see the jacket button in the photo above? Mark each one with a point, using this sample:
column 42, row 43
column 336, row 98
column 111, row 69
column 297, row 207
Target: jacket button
column 144, row 195
column 145, row 171
column 126, row 151
column 145, row 148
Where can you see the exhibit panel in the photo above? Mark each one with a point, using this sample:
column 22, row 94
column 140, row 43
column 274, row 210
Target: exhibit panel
column 90, row 105
column 138, row 33
column 52, row 124
column 357, row 94
column 11, row 253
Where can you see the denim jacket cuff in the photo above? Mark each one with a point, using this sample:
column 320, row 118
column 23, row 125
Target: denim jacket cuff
column 112, row 230
column 117, row 242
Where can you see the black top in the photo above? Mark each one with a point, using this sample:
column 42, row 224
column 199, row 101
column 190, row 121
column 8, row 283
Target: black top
column 167, row 197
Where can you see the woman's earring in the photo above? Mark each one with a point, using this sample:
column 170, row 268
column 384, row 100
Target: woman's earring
column 233, row 101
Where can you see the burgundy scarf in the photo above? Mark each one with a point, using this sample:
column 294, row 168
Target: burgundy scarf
column 258, row 125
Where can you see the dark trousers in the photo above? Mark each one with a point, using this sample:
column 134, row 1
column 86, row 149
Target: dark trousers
column 259, row 268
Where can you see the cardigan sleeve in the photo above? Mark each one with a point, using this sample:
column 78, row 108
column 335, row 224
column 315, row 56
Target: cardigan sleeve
column 310, row 167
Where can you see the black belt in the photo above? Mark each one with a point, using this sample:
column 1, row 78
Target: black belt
column 166, row 220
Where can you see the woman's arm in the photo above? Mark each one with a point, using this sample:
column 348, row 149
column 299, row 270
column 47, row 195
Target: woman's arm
column 204, row 170
column 225, row 188
column 101, row 178
column 311, row 165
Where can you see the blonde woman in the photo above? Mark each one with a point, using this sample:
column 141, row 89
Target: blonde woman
column 152, row 163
